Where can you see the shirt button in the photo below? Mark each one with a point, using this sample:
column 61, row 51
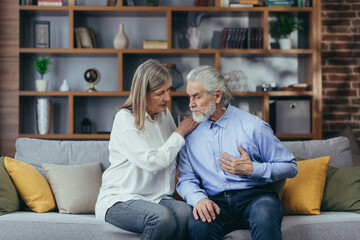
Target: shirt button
column 225, row 184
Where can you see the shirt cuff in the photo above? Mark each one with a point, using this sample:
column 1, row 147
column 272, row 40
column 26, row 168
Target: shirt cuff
column 195, row 198
column 177, row 140
column 258, row 170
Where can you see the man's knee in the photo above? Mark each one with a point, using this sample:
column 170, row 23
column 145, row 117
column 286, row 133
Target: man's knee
column 204, row 230
column 267, row 210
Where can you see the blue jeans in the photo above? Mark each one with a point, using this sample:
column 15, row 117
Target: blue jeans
column 259, row 210
column 166, row 220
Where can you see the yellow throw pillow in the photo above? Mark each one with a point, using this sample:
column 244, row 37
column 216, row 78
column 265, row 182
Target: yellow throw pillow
column 303, row 193
column 31, row 185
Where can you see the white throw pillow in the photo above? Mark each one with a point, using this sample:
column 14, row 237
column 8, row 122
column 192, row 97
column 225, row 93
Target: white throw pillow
column 75, row 187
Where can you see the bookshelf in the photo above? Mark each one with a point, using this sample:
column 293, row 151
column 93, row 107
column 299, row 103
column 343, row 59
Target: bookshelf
column 164, row 22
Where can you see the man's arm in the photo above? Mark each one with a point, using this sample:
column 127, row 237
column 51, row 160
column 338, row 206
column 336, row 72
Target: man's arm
column 189, row 189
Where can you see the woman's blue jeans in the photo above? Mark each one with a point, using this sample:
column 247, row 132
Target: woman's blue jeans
column 259, row 210
column 166, row 220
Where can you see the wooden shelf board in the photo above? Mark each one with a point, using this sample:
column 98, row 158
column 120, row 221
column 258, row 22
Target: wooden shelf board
column 257, row 94
column 290, row 93
column 164, row 51
column 72, row 93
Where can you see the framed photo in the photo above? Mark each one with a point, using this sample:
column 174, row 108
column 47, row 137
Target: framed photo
column 42, row 34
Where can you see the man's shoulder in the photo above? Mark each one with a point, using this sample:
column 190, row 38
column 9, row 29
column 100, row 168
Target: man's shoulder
column 244, row 116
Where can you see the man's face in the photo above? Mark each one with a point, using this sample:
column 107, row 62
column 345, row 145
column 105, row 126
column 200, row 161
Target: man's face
column 202, row 104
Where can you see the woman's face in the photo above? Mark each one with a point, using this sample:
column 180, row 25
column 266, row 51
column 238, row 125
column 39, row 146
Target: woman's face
column 157, row 100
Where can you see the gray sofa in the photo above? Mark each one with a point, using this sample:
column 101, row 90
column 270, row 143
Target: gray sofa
column 53, row 225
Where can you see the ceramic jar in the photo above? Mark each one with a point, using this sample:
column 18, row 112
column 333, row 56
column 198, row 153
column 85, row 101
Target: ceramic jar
column 121, row 40
column 194, row 37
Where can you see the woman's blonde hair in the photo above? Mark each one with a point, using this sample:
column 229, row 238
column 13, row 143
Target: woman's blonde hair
column 148, row 77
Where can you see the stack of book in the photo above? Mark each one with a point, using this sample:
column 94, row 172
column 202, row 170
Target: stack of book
column 242, row 38
column 84, row 38
column 296, row 87
column 202, row 3
column 50, row 2
column 303, row 3
column 246, row 3
column 154, row 44
column 280, row 3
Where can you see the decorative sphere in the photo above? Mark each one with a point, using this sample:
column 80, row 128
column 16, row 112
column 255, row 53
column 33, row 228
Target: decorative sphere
column 91, row 75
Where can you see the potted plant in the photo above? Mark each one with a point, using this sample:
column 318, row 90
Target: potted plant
column 42, row 66
column 283, row 27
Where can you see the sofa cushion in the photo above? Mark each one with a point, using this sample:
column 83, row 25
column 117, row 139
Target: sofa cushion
column 31, row 185
column 75, row 187
column 303, row 193
column 342, row 190
column 55, row 226
column 327, row 225
column 9, row 200
column 61, row 152
column 337, row 148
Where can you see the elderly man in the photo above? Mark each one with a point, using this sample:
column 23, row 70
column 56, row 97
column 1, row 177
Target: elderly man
column 227, row 162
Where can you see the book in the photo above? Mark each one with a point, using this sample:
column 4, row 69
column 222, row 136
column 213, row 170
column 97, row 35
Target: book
column 196, row 3
column 155, row 44
column 296, row 87
column 77, row 38
column 254, row 2
column 216, row 40
column 49, row 2
column 236, row 5
column 111, row 2
column 130, row 3
column 85, row 38
column 92, row 37
column 223, row 38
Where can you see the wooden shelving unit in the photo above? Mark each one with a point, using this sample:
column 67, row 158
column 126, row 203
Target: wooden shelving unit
column 116, row 85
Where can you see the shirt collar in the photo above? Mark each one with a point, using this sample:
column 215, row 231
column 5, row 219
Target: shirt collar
column 223, row 121
column 147, row 116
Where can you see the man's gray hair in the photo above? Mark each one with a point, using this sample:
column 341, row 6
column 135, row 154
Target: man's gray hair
column 212, row 80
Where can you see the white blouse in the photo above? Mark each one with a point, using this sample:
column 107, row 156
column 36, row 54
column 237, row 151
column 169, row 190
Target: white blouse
column 142, row 163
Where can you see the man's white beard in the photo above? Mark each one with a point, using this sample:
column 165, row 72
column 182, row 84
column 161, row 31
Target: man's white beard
column 203, row 115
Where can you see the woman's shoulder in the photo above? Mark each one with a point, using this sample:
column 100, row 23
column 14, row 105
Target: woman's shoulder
column 124, row 116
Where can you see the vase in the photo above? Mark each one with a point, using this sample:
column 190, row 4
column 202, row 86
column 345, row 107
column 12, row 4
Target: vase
column 194, row 37
column 64, row 86
column 43, row 115
column 121, row 40
column 41, row 85
column 176, row 78
column 285, row 43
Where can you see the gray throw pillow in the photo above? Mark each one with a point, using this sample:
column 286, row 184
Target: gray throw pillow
column 75, row 187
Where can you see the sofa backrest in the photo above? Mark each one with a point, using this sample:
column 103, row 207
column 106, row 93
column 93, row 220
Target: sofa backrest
column 337, row 148
column 38, row 151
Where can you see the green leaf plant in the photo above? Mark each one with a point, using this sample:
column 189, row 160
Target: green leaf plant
column 285, row 25
column 41, row 65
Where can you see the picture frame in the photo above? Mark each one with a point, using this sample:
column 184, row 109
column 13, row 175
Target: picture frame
column 42, row 34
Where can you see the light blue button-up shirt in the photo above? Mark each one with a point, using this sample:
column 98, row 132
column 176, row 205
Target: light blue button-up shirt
column 200, row 173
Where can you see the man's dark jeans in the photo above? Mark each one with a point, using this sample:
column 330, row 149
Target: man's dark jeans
column 257, row 209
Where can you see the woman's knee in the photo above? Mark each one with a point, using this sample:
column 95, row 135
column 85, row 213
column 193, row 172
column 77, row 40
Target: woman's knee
column 183, row 213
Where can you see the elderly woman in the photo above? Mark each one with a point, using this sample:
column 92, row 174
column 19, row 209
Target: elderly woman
column 137, row 188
